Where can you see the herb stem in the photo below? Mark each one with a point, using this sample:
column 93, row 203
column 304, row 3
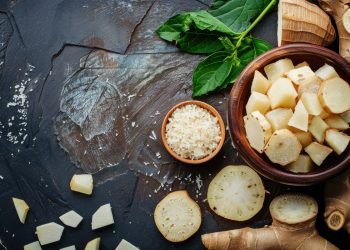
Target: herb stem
column 256, row 21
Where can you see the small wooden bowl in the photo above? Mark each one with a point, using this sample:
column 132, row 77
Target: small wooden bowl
column 214, row 112
column 316, row 56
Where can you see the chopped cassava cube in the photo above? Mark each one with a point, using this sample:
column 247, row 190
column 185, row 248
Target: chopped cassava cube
column 260, row 83
column 282, row 94
column 258, row 130
column 337, row 140
column 302, row 64
column 305, row 138
column 326, row 72
column 318, row 128
column 337, row 122
column 311, row 85
column 283, row 147
column 300, row 118
column 300, row 75
column 318, row 152
column 302, row 165
column 346, row 116
column 278, row 118
column 334, row 95
column 277, row 69
column 257, row 102
column 311, row 103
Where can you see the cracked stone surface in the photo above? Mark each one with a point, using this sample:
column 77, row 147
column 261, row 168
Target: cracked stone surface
column 84, row 88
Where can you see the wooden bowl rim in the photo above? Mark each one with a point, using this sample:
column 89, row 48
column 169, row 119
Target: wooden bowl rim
column 263, row 167
column 213, row 111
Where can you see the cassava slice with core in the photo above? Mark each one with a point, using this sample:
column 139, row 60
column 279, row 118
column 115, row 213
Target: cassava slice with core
column 236, row 193
column 177, row 216
column 293, row 208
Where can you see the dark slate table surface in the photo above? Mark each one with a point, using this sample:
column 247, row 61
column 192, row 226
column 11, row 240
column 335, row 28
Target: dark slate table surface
column 84, row 88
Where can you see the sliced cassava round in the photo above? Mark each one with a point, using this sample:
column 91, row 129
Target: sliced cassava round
column 258, row 130
column 283, row 147
column 346, row 20
column 236, row 193
column 177, row 216
column 334, row 95
column 293, row 208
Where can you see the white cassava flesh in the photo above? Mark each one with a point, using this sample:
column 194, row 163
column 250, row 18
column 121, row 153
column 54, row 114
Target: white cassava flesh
column 177, row 216
column 305, row 138
column 300, row 75
column 49, row 233
column 303, row 164
column 82, row 183
column 278, row 118
column 277, row 69
column 93, row 244
column 318, row 152
column 326, row 72
column 282, row 94
column 312, row 85
column 32, row 246
column 311, row 103
column 258, row 130
column 260, row 83
column 21, row 208
column 300, row 117
column 125, row 245
column 102, row 217
column 71, row 219
column 337, row 122
column 346, row 20
column 334, row 95
column 302, row 64
column 257, row 102
column 346, row 116
column 337, row 140
column 318, row 128
column 293, row 208
column 236, row 193
column 283, row 147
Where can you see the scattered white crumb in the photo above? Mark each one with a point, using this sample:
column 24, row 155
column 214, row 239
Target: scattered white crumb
column 158, row 155
column 133, row 124
column 153, row 135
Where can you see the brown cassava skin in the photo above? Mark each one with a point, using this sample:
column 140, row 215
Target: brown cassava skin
column 277, row 236
column 337, row 201
column 337, row 8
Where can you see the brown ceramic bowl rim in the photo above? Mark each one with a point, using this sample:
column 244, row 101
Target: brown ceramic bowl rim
column 212, row 111
column 263, row 167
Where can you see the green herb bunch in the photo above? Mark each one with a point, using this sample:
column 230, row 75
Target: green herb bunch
column 223, row 32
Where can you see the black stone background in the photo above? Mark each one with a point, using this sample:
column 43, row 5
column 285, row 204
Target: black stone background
column 47, row 35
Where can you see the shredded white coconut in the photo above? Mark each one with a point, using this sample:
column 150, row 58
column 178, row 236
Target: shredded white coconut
column 193, row 132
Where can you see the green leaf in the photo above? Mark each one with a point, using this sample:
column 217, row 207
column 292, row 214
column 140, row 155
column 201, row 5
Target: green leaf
column 238, row 14
column 195, row 32
column 249, row 50
column 227, row 43
column 199, row 43
column 211, row 73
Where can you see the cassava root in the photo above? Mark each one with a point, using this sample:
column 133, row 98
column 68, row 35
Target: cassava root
column 293, row 227
column 337, row 201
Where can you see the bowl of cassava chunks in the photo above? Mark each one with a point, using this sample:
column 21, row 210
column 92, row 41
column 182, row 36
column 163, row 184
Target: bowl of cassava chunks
column 289, row 114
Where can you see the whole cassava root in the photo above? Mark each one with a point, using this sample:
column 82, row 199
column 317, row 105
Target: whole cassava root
column 293, row 227
column 337, row 201
column 337, row 9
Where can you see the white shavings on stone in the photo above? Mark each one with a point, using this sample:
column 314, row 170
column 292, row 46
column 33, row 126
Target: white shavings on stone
column 158, row 155
column 153, row 135
column 199, row 182
column 193, row 132
column 131, row 96
column 1, row 177
column 133, row 124
column 157, row 112
column 146, row 163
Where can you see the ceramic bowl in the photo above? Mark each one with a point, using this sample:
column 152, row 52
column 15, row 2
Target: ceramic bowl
column 316, row 56
column 214, row 112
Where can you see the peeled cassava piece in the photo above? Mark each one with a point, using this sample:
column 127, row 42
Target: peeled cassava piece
column 301, row 21
column 293, row 227
column 236, row 193
column 177, row 216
